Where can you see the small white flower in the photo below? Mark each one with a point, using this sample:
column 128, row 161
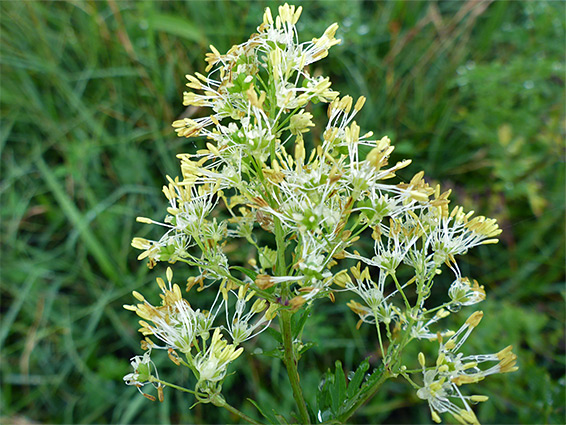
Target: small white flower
column 212, row 364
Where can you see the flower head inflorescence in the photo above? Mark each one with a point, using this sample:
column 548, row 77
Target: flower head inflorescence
column 453, row 369
column 307, row 202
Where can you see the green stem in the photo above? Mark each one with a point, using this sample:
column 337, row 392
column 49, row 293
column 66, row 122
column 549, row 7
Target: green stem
column 285, row 322
column 400, row 289
column 379, row 336
column 385, row 375
column 408, row 378
column 168, row 384
column 291, row 365
column 219, row 401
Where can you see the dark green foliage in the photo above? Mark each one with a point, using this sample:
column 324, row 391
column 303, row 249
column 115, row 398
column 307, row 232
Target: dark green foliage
column 473, row 92
column 336, row 396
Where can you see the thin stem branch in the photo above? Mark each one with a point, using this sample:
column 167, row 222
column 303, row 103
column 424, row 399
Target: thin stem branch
column 168, row 384
column 379, row 335
column 400, row 289
column 219, row 401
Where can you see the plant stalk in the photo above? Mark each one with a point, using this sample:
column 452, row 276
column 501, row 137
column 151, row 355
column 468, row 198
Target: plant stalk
column 291, row 365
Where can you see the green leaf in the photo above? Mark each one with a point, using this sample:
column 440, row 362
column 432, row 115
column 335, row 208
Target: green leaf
column 307, row 346
column 355, row 382
column 276, row 353
column 271, row 417
column 275, row 334
column 249, row 273
column 340, row 380
column 336, row 396
column 298, row 322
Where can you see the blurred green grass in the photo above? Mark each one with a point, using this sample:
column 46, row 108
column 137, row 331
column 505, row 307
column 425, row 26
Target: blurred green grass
column 473, row 92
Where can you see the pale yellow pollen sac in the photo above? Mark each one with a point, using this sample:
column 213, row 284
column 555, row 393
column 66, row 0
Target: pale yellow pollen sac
column 267, row 17
column 242, row 291
column 440, row 359
column 258, row 306
column 179, row 123
column 450, row 344
column 435, row 417
column 297, row 15
column 469, row 365
column 271, row 312
column 475, row 318
column 140, row 243
column 345, row 235
column 190, row 98
column 213, row 149
column 360, row 104
column 467, row 379
column 417, row 178
column 365, row 274
column 250, row 295
column 167, row 192
column 138, row 296
column 353, row 133
column 418, row 195
column 342, row 278
column 300, row 122
column 331, row 106
column 346, row 103
column 490, row 241
column 177, row 292
column 507, row 364
column 194, row 83
column 501, row 354
column 214, row 51
column 356, row 271
column 144, row 220
column 169, row 274
column 356, row 307
column 224, row 292
column 253, row 98
column 160, row 283
column 422, row 360
column 457, row 211
column 285, row 11
column 299, row 150
column 469, row 416
column 331, row 30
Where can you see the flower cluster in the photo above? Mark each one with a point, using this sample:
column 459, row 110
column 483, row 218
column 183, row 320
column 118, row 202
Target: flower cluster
column 312, row 196
column 453, row 369
column 182, row 329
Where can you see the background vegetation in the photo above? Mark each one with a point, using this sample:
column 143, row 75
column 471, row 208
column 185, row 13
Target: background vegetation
column 473, row 91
